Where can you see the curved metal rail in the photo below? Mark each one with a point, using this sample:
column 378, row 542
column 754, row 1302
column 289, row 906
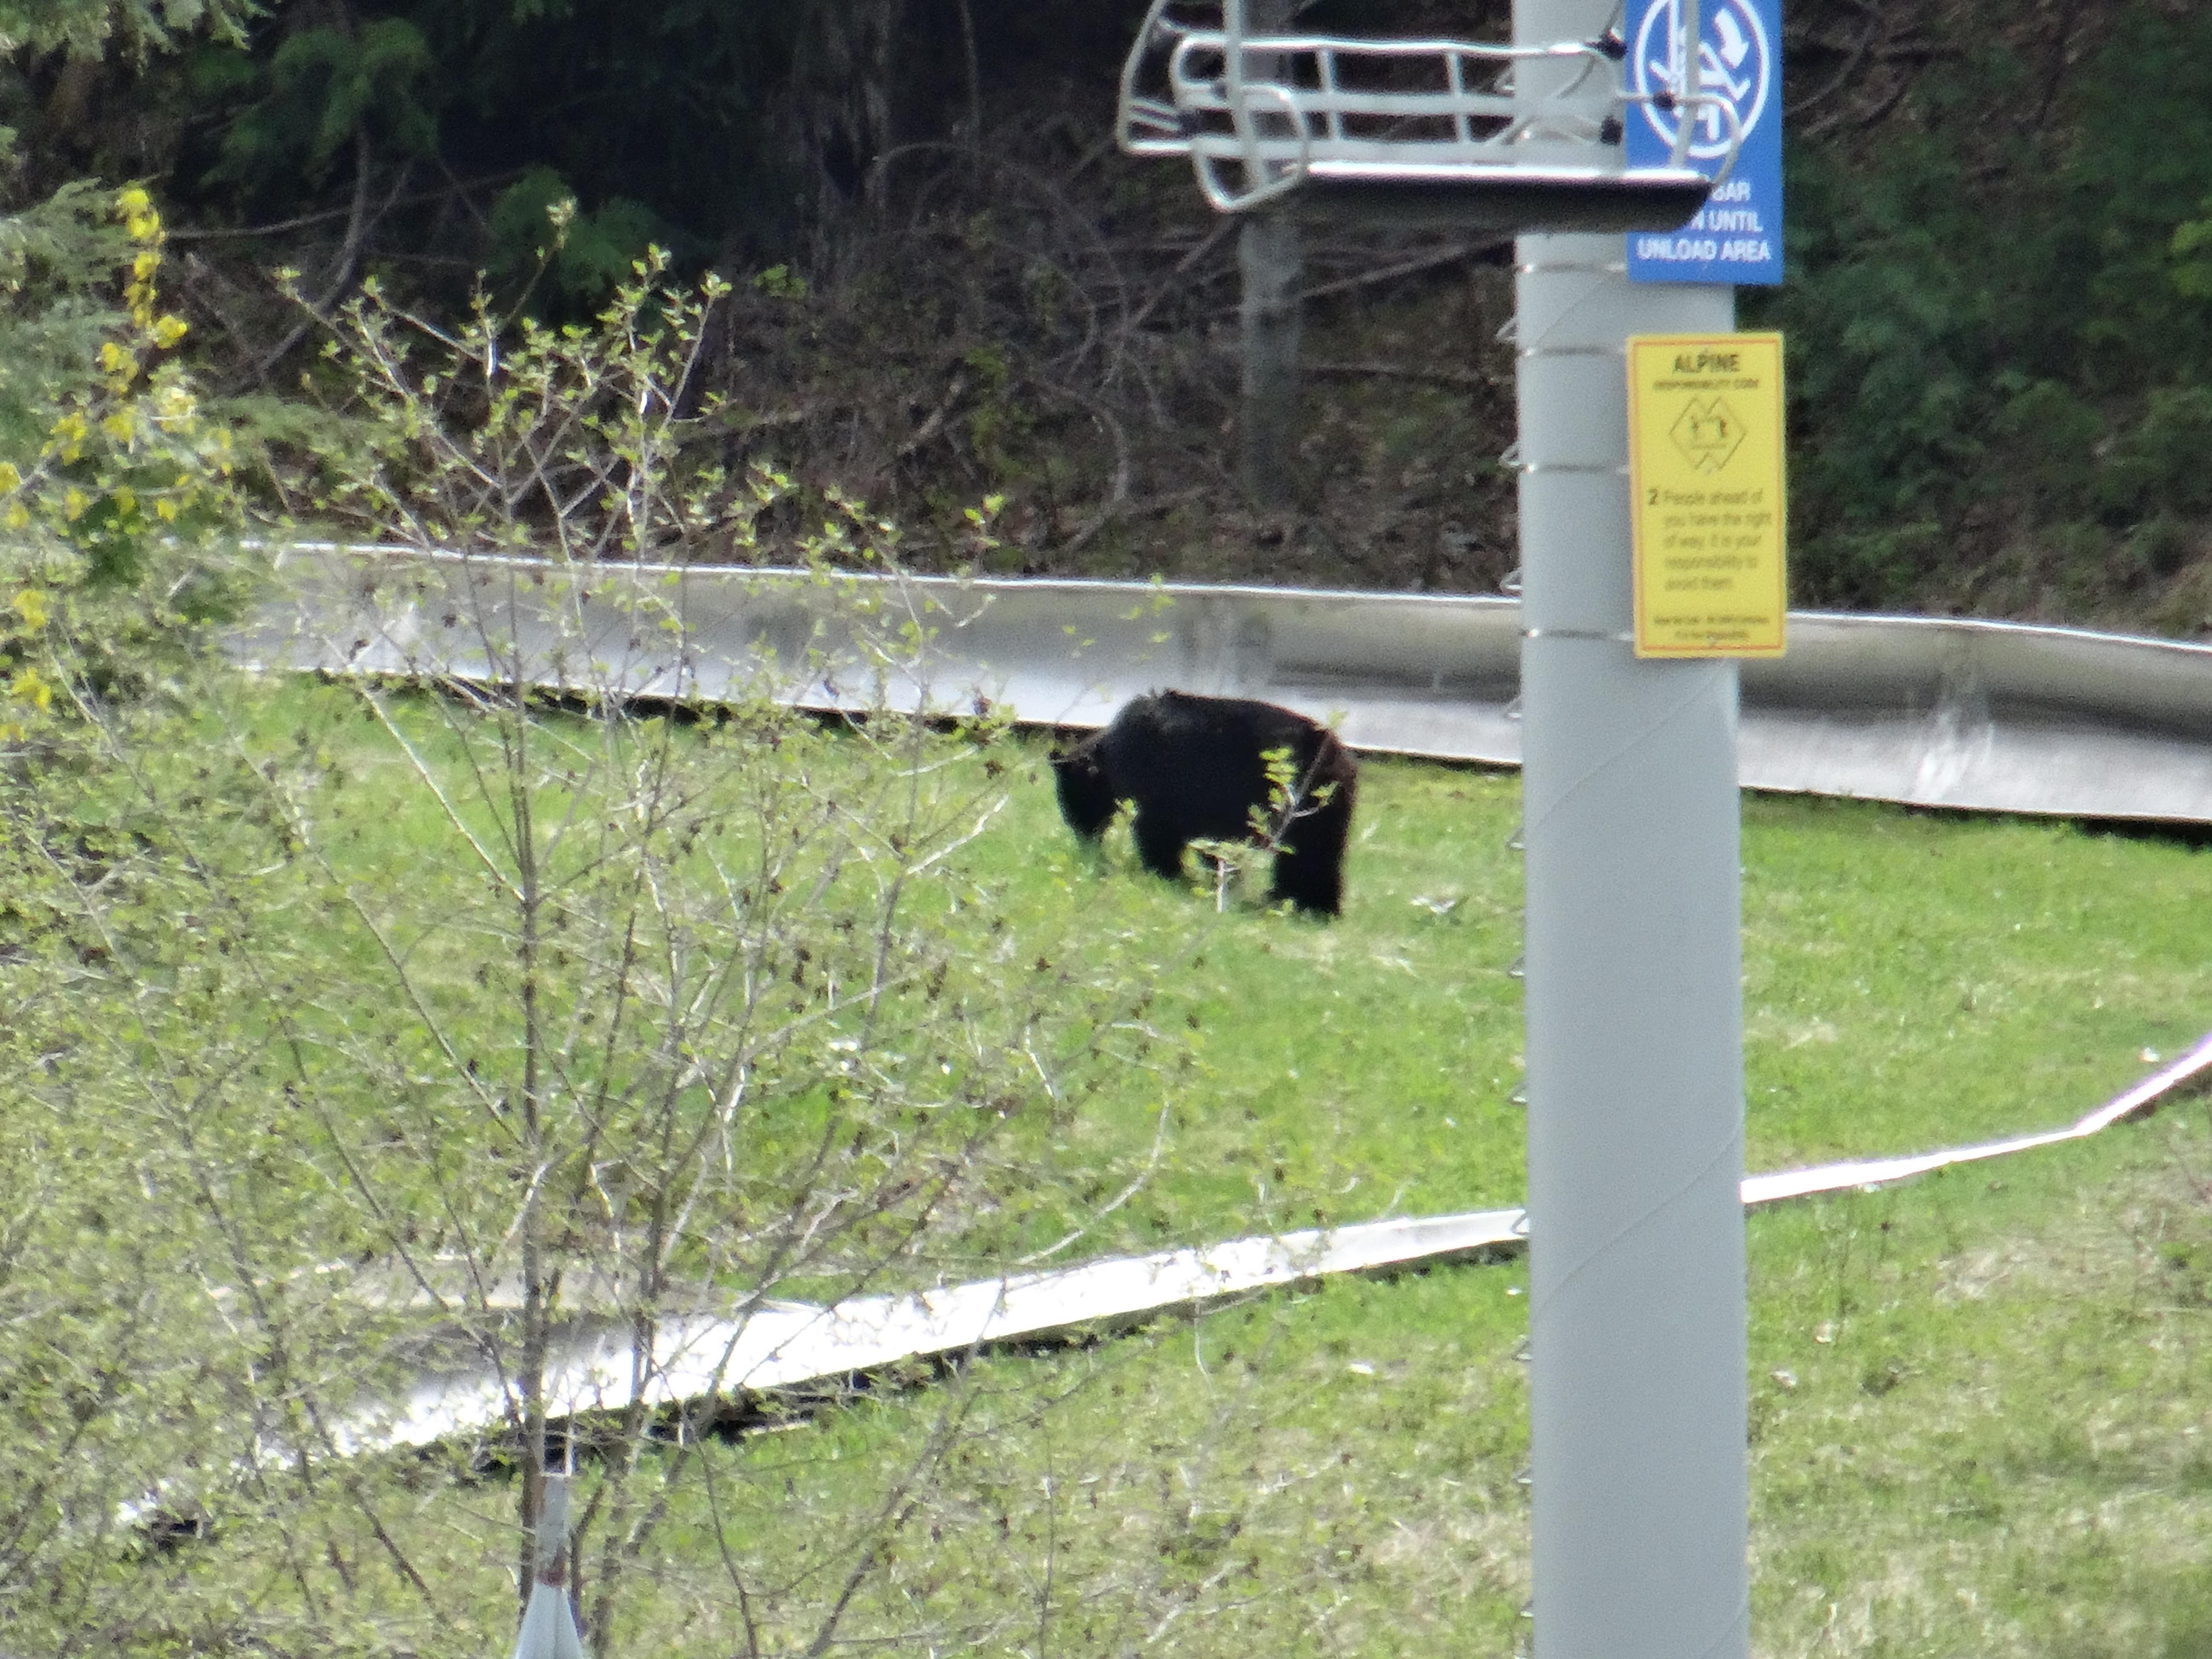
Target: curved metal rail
column 1929, row 712
column 702, row 1350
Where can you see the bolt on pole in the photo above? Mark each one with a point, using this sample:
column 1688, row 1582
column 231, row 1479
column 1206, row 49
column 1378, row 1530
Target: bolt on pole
column 1634, row 1000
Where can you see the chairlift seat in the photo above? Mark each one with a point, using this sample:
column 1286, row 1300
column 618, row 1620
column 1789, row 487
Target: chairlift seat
column 1403, row 132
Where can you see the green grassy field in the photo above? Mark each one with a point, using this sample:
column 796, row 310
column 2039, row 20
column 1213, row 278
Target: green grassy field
column 1981, row 1400
column 1912, row 981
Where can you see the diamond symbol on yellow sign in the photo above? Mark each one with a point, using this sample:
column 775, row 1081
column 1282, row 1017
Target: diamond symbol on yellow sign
column 1708, row 432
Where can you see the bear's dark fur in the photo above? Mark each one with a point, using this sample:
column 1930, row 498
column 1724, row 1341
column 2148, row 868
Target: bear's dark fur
column 1195, row 769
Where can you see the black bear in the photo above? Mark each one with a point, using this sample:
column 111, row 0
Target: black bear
column 1197, row 768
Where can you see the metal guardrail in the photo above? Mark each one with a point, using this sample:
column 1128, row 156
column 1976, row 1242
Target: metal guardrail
column 1929, row 712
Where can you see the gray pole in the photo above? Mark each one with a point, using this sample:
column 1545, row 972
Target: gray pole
column 1269, row 260
column 1635, row 1044
column 1270, row 264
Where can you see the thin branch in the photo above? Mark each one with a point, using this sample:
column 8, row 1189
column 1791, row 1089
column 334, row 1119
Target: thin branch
column 1473, row 380
column 930, row 428
column 1205, row 245
column 1419, row 263
column 341, row 270
column 277, row 227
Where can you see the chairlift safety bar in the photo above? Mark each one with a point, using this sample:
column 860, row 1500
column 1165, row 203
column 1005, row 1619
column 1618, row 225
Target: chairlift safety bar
column 1261, row 116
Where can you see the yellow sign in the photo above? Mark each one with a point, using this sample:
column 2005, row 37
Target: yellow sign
column 1704, row 461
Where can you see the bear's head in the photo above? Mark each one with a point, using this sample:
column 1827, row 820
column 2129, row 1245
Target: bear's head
column 1087, row 795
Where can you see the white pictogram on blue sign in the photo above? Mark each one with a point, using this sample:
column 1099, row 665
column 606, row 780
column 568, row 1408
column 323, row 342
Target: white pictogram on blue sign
column 1737, row 236
column 1735, row 62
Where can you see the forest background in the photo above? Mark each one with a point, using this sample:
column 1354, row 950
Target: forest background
column 947, row 284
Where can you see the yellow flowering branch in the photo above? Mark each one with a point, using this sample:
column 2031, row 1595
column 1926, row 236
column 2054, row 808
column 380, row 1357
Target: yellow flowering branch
column 128, row 472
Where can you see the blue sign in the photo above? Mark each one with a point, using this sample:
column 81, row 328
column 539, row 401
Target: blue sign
column 1736, row 236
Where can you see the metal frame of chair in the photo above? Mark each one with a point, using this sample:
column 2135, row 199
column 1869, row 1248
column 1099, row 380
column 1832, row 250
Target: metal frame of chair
column 1321, row 123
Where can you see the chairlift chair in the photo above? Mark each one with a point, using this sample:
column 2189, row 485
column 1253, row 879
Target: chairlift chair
column 1410, row 131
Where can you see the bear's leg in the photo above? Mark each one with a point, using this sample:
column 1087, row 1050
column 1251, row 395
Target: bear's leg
column 1160, row 843
column 1309, row 865
column 1317, row 889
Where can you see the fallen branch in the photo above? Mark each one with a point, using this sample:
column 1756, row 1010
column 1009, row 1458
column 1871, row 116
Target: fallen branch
column 1406, row 268
column 935, row 424
column 1470, row 379
column 1130, row 508
column 277, row 227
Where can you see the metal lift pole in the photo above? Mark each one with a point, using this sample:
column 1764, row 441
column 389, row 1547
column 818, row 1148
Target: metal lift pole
column 1635, row 1025
column 1635, row 1011
column 1271, row 268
